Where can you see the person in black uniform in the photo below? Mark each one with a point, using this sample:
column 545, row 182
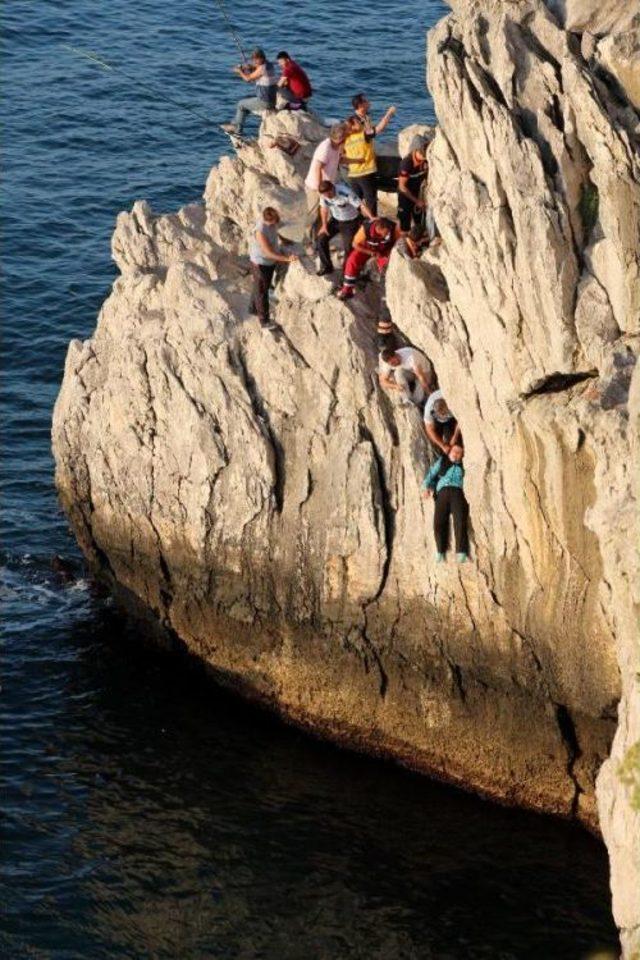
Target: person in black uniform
column 412, row 175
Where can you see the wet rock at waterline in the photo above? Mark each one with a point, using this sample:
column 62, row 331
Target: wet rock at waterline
column 261, row 494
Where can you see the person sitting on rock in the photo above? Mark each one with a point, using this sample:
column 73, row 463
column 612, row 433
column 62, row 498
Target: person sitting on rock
column 374, row 239
column 341, row 211
column 261, row 72
column 412, row 176
column 444, row 481
column 360, row 151
column 407, row 371
column 440, row 425
column 324, row 165
column 265, row 254
column 294, row 87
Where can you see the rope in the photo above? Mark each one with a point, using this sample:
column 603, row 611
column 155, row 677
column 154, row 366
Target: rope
column 232, row 30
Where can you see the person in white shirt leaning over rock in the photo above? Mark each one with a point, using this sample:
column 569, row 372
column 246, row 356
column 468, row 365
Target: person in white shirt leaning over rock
column 407, row 371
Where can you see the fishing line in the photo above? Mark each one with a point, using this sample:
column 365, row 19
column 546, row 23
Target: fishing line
column 105, row 65
column 232, row 30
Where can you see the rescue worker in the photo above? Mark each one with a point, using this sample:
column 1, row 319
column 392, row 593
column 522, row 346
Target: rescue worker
column 374, row 239
column 412, row 177
column 359, row 149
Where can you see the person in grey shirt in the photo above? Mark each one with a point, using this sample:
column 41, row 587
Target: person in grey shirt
column 265, row 254
column 261, row 72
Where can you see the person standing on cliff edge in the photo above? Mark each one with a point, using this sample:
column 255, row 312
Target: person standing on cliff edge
column 359, row 150
column 265, row 255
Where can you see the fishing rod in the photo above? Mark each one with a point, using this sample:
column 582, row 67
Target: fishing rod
column 88, row 55
column 232, row 30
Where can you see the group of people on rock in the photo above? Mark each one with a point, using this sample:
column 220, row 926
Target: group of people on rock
column 349, row 208
column 366, row 236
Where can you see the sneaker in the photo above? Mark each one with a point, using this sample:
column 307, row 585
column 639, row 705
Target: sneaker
column 324, row 271
column 268, row 325
column 462, row 557
column 345, row 293
column 440, row 557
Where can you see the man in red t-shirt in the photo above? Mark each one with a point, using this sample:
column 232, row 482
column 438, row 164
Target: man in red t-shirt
column 293, row 86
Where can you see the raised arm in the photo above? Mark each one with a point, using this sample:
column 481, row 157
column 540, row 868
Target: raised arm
column 386, row 120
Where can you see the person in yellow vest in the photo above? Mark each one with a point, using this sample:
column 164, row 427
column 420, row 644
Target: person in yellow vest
column 359, row 150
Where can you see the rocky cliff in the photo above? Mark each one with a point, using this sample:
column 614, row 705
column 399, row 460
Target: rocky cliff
column 260, row 493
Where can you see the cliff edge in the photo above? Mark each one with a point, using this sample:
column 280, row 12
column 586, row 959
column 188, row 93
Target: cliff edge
column 260, row 493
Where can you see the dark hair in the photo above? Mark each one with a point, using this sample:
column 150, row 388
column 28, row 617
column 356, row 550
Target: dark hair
column 271, row 215
column 259, row 54
column 385, row 222
column 417, row 232
column 358, row 100
column 325, row 186
column 387, row 353
column 283, row 55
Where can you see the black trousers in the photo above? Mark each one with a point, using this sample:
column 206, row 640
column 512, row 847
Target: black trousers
column 367, row 189
column 262, row 277
column 451, row 501
column 408, row 213
column 347, row 230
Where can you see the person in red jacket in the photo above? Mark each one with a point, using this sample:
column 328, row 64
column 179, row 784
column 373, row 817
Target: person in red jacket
column 293, row 86
column 375, row 238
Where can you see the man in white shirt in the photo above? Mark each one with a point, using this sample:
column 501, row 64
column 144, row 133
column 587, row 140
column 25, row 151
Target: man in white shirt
column 341, row 211
column 408, row 372
column 324, row 166
column 440, row 425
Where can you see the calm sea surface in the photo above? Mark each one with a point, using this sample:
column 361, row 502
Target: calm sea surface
column 146, row 814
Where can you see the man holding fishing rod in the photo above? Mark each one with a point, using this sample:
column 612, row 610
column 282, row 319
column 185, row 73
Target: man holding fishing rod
column 262, row 72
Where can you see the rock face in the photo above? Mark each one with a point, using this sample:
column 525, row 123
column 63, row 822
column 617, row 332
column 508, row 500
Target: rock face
column 261, row 494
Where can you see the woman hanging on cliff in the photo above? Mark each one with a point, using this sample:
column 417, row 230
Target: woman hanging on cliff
column 265, row 255
column 444, row 482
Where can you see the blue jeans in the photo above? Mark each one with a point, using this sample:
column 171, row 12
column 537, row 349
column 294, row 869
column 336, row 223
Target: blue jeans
column 245, row 107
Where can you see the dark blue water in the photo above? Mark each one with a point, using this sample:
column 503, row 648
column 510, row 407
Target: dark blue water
column 147, row 815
